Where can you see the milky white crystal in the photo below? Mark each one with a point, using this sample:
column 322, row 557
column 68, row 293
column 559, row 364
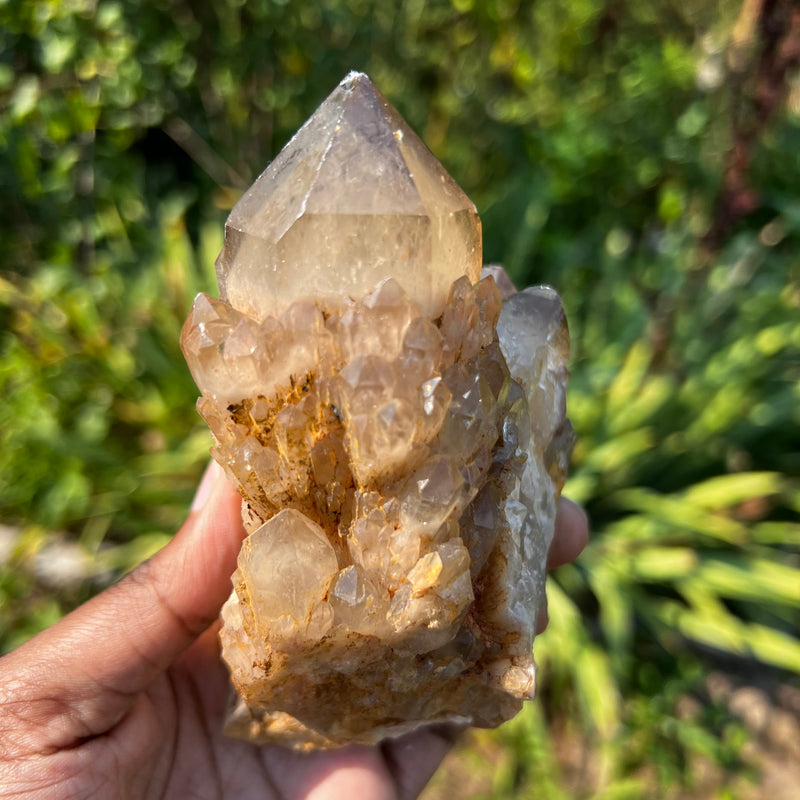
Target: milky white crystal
column 397, row 431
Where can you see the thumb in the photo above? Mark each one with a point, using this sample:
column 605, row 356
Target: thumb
column 80, row 677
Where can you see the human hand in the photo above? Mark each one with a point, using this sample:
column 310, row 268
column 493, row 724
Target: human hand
column 125, row 697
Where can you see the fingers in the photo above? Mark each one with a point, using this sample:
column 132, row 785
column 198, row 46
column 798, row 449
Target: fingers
column 572, row 533
column 354, row 771
column 397, row 769
column 543, row 620
column 115, row 645
column 412, row 759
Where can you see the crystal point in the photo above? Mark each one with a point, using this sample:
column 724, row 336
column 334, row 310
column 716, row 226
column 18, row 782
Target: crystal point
column 354, row 198
column 396, row 427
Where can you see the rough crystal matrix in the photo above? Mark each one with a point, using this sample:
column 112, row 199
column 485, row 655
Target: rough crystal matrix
column 397, row 432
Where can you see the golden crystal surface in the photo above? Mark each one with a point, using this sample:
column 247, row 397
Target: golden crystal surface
column 397, row 432
column 353, row 198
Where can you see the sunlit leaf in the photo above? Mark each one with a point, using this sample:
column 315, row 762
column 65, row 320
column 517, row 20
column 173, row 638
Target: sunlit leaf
column 725, row 491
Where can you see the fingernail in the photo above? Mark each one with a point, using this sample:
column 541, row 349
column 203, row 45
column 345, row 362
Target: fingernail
column 205, row 487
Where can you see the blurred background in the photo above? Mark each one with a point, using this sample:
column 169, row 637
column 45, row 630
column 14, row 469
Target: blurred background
column 643, row 158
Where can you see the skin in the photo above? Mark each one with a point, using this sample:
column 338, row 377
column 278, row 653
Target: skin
column 125, row 697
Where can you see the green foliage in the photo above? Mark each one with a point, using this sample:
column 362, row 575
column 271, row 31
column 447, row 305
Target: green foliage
column 593, row 137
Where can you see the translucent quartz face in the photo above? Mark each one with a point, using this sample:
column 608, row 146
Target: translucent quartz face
column 353, row 198
column 397, row 432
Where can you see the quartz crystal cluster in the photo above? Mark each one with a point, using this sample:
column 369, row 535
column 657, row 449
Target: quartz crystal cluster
column 397, row 432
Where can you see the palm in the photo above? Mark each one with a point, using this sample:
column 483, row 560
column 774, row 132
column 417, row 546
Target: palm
column 170, row 745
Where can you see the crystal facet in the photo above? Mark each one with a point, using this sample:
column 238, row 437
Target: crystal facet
column 397, row 432
column 353, row 198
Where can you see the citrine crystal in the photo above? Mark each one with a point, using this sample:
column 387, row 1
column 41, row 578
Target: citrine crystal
column 354, row 198
column 397, row 431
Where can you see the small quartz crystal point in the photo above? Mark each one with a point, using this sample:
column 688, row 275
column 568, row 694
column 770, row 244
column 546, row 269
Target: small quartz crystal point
column 396, row 426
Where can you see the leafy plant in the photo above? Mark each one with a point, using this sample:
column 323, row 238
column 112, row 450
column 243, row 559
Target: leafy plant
column 596, row 139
